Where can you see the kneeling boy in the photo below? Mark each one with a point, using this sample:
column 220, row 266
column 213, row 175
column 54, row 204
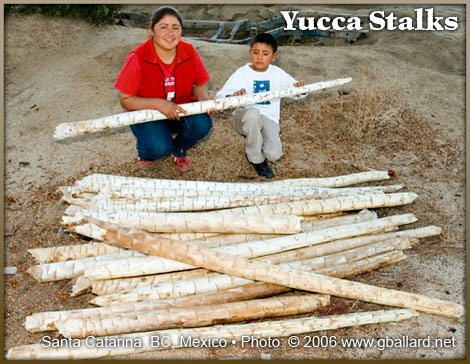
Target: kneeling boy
column 259, row 123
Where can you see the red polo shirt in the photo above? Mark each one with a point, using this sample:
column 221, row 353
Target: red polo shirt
column 142, row 74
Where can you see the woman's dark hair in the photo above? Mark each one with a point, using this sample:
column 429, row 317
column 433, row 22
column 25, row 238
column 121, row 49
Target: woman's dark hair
column 265, row 38
column 163, row 11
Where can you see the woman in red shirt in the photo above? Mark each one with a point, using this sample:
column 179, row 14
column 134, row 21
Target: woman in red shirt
column 159, row 74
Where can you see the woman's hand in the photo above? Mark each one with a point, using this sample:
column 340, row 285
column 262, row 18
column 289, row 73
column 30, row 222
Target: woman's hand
column 171, row 110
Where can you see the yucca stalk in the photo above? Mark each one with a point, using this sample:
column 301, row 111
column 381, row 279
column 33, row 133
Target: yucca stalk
column 194, row 222
column 341, row 245
column 153, row 265
column 106, row 201
column 364, row 265
column 267, row 329
column 192, row 316
column 312, row 223
column 98, row 182
column 221, row 240
column 67, row 130
column 46, row 321
column 139, row 266
column 108, row 286
column 224, row 263
column 71, row 252
column 112, row 285
column 104, row 287
column 205, row 203
column 91, row 231
column 72, row 193
column 338, row 204
column 315, row 262
column 132, row 267
column 225, row 281
column 67, row 267
column 213, row 240
column 57, row 271
column 339, row 181
column 153, row 187
column 84, row 283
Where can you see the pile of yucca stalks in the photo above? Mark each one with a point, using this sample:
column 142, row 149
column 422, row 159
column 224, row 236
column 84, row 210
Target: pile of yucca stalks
column 175, row 259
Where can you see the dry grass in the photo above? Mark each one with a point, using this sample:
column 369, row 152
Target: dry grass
column 371, row 115
column 367, row 115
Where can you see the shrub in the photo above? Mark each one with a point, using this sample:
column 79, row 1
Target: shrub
column 95, row 14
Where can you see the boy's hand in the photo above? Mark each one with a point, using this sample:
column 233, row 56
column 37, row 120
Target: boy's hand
column 240, row 92
column 300, row 84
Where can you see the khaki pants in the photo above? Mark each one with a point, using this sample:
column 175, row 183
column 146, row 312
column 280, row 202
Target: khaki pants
column 262, row 139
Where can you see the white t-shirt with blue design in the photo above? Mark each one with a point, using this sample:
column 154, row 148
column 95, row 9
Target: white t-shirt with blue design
column 274, row 78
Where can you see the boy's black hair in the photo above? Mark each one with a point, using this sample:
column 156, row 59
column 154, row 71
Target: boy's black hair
column 265, row 38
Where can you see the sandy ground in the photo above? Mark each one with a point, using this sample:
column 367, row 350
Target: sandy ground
column 60, row 70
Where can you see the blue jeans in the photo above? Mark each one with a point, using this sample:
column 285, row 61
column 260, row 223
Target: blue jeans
column 155, row 139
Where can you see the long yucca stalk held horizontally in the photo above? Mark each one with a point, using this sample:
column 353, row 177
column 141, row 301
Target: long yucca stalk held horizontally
column 67, row 130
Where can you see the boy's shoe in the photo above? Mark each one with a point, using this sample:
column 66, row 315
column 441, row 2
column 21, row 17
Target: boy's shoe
column 263, row 169
column 145, row 165
column 182, row 164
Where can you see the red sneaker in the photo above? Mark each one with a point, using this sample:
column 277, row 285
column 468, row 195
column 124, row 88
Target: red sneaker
column 145, row 165
column 182, row 164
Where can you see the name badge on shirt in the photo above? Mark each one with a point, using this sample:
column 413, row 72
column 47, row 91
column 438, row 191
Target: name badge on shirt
column 170, row 88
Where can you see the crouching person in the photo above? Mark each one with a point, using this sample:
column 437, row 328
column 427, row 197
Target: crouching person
column 259, row 123
column 160, row 74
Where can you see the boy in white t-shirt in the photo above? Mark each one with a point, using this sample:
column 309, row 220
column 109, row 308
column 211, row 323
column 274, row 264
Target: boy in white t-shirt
column 259, row 123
